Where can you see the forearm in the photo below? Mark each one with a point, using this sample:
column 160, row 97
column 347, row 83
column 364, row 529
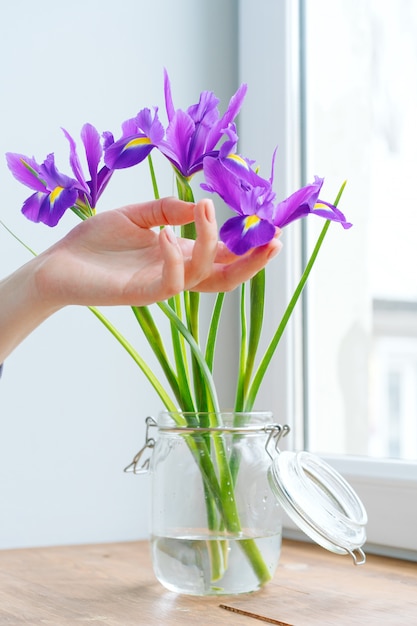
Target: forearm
column 22, row 308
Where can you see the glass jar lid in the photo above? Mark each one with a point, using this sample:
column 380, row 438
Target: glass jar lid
column 320, row 502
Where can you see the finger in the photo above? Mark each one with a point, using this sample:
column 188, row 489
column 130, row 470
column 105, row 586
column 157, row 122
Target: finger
column 200, row 266
column 224, row 255
column 172, row 279
column 160, row 212
column 226, row 277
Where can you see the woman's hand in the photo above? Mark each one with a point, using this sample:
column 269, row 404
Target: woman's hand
column 118, row 257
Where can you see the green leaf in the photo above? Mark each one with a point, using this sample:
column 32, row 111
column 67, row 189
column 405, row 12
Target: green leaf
column 243, row 350
column 18, row 239
column 180, row 355
column 263, row 366
column 205, row 373
column 192, row 299
column 213, row 330
column 257, row 307
column 153, row 336
column 153, row 178
column 152, row 378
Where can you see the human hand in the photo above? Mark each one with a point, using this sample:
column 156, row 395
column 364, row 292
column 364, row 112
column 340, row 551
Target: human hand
column 118, row 258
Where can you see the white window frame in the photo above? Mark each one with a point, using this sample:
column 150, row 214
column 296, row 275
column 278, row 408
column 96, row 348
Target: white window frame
column 388, row 488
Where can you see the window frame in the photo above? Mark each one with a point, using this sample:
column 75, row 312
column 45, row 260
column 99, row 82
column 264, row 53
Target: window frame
column 387, row 488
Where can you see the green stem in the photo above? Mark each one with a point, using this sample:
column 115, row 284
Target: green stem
column 222, row 490
column 243, row 351
column 180, row 355
column 150, row 330
column 263, row 366
column 168, row 403
column 192, row 306
column 213, row 329
column 204, row 384
column 195, row 349
column 254, row 555
column 18, row 239
column 153, row 178
column 256, row 317
column 192, row 299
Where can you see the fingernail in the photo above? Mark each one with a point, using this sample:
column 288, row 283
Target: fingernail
column 275, row 249
column 170, row 235
column 209, row 211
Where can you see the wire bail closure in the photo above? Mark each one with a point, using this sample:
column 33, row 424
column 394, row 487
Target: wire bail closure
column 276, row 433
column 134, row 466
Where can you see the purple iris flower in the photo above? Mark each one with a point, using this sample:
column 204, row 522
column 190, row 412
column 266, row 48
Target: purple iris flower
column 90, row 190
column 139, row 136
column 254, row 201
column 55, row 192
column 194, row 134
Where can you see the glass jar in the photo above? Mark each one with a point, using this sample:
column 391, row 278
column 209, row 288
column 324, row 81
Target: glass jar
column 218, row 485
column 215, row 524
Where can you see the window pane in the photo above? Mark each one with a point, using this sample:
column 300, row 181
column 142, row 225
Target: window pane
column 361, row 120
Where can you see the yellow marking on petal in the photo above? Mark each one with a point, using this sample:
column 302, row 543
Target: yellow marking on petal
column 55, row 193
column 320, row 205
column 138, row 141
column 251, row 221
column 239, row 160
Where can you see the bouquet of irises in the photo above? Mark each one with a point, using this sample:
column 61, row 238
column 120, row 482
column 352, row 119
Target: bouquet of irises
column 194, row 140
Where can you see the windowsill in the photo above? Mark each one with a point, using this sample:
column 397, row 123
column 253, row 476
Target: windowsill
column 114, row 584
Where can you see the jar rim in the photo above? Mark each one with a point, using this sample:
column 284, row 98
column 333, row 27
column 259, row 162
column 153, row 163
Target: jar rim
column 211, row 421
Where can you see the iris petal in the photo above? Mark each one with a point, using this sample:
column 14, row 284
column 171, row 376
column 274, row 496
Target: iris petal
column 32, row 206
column 75, row 162
column 140, row 135
column 169, row 105
column 330, row 213
column 220, row 181
column 176, row 145
column 16, row 164
column 305, row 201
column 93, row 150
column 52, row 176
column 288, row 211
column 150, row 125
column 127, row 152
column 230, row 114
column 195, row 133
column 49, row 208
column 240, row 238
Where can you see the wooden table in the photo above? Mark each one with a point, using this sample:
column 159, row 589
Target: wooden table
column 113, row 585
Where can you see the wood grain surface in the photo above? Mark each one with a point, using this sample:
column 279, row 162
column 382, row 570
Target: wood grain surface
column 113, row 585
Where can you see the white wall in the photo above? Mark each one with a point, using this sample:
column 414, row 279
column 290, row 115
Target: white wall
column 72, row 405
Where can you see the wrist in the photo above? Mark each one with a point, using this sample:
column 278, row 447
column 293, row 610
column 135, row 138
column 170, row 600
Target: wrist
column 23, row 306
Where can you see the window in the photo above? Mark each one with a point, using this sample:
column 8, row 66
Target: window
column 336, row 97
column 360, row 98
